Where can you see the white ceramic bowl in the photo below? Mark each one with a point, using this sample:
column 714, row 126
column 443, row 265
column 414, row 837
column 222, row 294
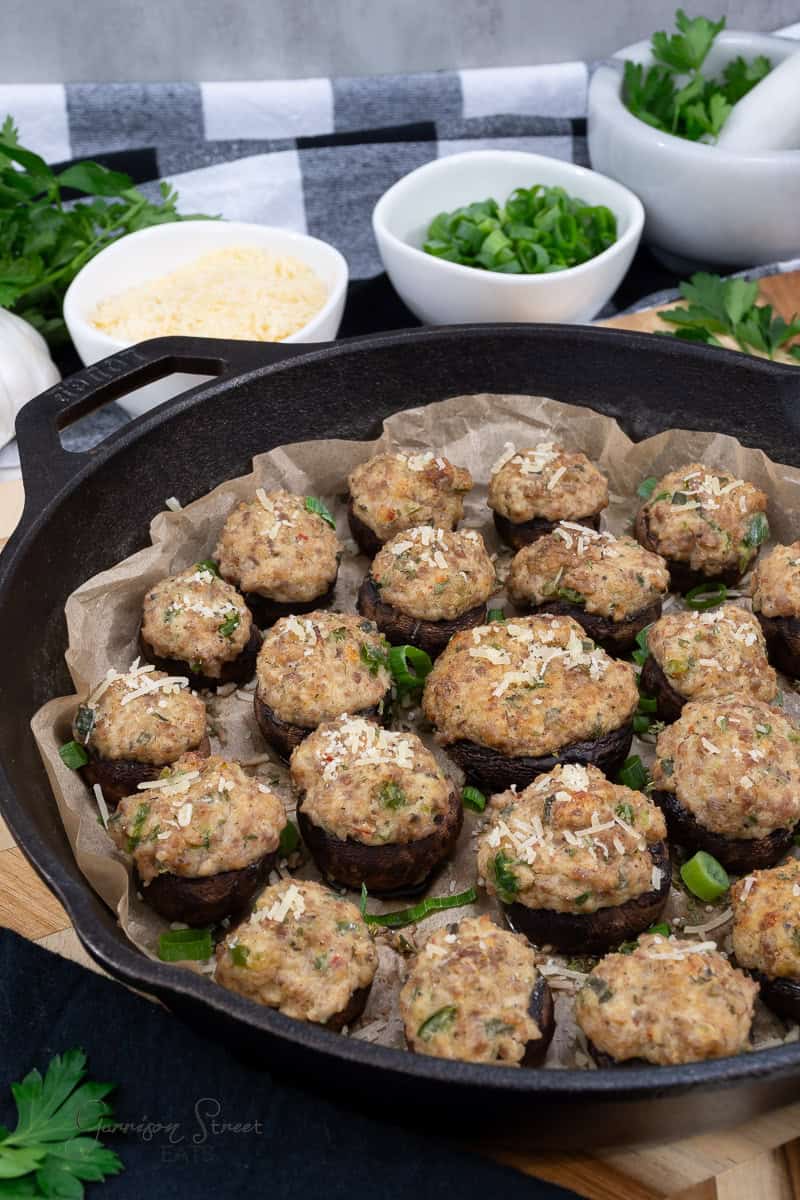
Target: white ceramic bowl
column 703, row 204
column 154, row 252
column 446, row 293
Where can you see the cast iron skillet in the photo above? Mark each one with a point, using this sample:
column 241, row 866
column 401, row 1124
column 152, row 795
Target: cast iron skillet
column 85, row 512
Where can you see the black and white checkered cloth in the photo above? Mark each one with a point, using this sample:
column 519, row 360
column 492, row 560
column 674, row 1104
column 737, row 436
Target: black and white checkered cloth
column 312, row 155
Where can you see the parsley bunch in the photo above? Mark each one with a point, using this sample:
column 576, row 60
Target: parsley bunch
column 54, row 1148
column 45, row 240
column 696, row 107
column 727, row 307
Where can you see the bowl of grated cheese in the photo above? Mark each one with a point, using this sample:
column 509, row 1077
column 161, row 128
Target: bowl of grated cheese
column 221, row 279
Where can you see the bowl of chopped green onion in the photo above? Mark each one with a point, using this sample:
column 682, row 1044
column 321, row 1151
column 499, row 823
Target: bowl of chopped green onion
column 657, row 117
column 503, row 235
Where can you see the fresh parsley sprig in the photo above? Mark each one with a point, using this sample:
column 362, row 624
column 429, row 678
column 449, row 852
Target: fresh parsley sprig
column 44, row 242
column 719, row 307
column 54, row 1149
column 673, row 95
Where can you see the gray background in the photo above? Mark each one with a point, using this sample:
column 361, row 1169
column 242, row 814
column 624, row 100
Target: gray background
column 74, row 40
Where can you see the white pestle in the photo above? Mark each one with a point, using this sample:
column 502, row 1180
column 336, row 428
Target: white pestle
column 768, row 117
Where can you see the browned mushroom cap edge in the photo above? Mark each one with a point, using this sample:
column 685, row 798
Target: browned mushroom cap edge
column 120, row 777
column 740, row 855
column 654, row 683
column 780, row 994
column 542, row 1009
column 494, row 772
column 364, row 536
column 238, row 670
column 682, row 577
column 782, row 635
column 521, row 533
column 401, row 629
column 617, row 637
column 595, row 932
column 267, row 611
column 392, row 869
column 207, row 899
column 352, row 1011
column 284, row 737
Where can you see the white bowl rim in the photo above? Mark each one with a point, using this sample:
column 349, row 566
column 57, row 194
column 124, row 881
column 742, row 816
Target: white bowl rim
column 72, row 315
column 607, row 83
column 635, row 210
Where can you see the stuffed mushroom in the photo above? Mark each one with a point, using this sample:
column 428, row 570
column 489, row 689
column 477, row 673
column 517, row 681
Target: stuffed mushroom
column 393, row 492
column 314, row 668
column 668, row 1001
column 694, row 654
column 425, row 584
column 776, row 602
column 135, row 723
column 474, row 993
column 304, row 951
column 610, row 585
column 706, row 523
column 374, row 807
column 203, row 838
column 766, row 934
column 532, row 490
column 576, row 861
column 727, row 775
column 513, row 699
column 196, row 624
column 281, row 551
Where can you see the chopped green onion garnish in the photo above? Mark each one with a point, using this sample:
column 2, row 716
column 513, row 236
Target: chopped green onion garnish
column 73, row 755
column 208, row 564
column 706, row 595
column 538, row 229
column 495, row 614
column 409, row 666
column 647, row 487
column 757, row 530
column 290, row 838
column 438, row 1022
column 704, row 876
column 407, row 916
column 230, row 624
column 473, row 798
column 570, row 595
column 84, row 722
column 661, row 927
column 314, row 505
column 647, row 704
column 633, row 774
column 642, row 651
column 181, row 944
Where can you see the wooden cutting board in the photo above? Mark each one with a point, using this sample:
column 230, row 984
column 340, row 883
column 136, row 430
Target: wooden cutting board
column 781, row 291
column 759, row 1160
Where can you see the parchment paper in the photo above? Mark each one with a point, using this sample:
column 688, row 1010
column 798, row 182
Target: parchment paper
column 103, row 618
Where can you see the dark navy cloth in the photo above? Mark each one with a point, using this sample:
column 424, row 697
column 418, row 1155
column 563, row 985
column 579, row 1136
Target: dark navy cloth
column 195, row 1122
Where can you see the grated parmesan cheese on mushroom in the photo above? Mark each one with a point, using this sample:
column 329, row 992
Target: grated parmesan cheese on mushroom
column 434, row 574
column 546, row 481
column 393, row 492
column 706, row 652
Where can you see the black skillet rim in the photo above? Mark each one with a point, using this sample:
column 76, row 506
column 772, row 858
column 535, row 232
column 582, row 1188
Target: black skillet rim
column 125, row 963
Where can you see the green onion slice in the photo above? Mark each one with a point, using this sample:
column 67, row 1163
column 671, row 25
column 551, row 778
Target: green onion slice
column 408, row 916
column 409, row 666
column 208, row 564
column 473, row 798
column 641, row 652
column 706, row 595
column 313, row 505
column 179, row 945
column 647, row 704
column 495, row 614
column 438, row 1022
column 290, row 838
column 73, row 755
column 633, row 774
column 705, row 877
column 646, row 488
column 660, row 927
column 230, row 624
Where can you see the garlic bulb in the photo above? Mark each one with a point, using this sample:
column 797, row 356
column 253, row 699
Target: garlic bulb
column 26, row 369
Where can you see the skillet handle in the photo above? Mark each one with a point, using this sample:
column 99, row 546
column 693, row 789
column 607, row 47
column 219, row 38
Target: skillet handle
column 47, row 466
